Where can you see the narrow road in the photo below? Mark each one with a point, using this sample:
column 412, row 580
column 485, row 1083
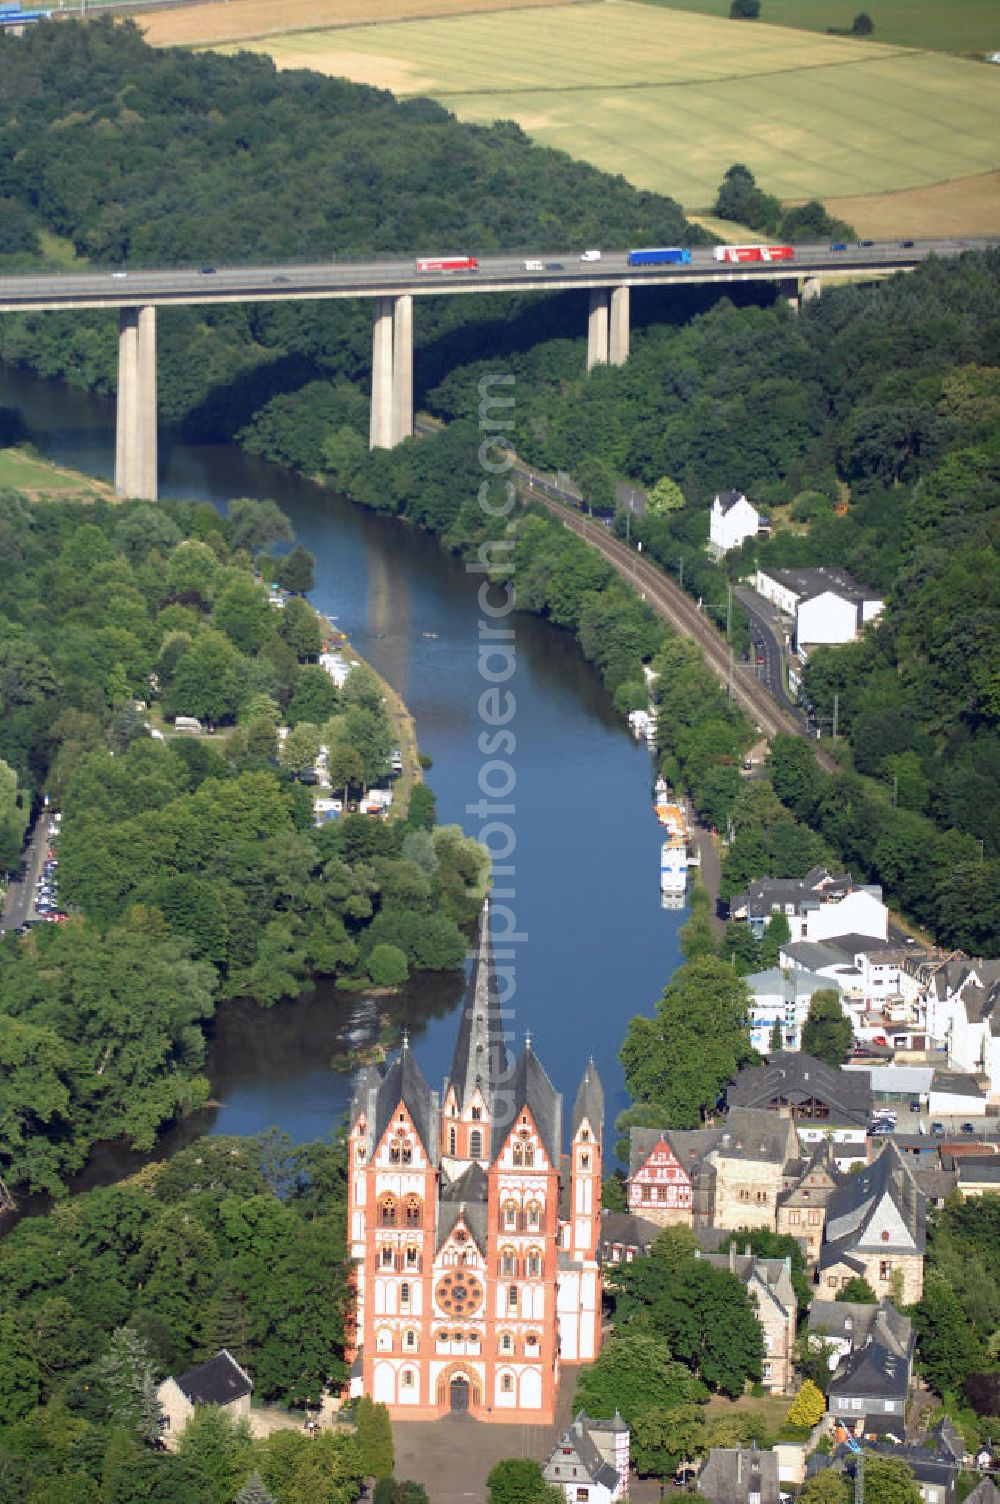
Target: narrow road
column 680, row 612
column 768, row 643
column 20, row 898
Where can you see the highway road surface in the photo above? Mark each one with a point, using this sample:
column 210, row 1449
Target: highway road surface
column 128, row 286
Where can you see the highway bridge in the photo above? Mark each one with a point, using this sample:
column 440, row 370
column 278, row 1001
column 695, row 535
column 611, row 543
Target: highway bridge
column 393, row 283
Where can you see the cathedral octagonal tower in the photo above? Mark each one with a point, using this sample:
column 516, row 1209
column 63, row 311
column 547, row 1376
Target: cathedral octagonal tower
column 474, row 1241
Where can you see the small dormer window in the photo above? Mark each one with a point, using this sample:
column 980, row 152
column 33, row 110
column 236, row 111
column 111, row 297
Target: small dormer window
column 477, row 1113
column 585, row 1134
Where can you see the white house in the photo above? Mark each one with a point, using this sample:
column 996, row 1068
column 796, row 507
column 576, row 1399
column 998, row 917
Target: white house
column 818, row 906
column 732, row 521
column 827, row 604
column 590, row 1460
column 962, row 1002
column 781, row 997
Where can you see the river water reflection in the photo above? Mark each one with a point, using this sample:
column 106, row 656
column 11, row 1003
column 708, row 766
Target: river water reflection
column 598, row 948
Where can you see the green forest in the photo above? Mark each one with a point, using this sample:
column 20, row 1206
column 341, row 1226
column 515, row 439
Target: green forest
column 235, row 1243
column 191, row 865
column 866, row 424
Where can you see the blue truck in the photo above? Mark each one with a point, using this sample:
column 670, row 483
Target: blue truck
column 668, row 256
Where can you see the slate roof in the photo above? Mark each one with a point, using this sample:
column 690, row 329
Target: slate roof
column 464, row 1198
column 729, row 499
column 480, row 1057
column 583, row 1454
column 859, row 1324
column 773, row 1274
column 978, row 1169
column 794, row 1077
column 956, row 1084
column 873, row 1372
column 787, row 984
column 529, row 1087
column 853, row 1206
column 589, row 1102
column 220, row 1381
column 626, row 1230
column 807, row 583
column 404, row 1082
column 730, row 1474
column 818, row 885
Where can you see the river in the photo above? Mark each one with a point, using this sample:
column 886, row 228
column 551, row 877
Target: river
column 598, row 947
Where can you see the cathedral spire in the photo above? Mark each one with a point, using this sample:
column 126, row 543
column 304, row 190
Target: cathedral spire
column 480, row 1055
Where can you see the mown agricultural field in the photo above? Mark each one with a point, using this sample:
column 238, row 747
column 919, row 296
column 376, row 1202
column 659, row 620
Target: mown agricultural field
column 205, row 25
column 967, row 27
column 670, row 98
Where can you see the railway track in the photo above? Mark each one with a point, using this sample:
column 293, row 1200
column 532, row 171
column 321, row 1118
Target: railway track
column 680, row 612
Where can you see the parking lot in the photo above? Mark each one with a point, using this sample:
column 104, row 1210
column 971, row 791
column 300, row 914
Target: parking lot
column 937, row 1125
column 33, row 897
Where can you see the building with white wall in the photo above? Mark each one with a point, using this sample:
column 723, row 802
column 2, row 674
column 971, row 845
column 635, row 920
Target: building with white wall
column 827, row 605
column 732, row 521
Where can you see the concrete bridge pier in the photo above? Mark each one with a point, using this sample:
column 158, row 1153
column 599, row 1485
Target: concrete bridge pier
column 608, row 327
column 618, row 339
column 392, row 372
column 597, row 327
column 135, row 432
column 810, row 287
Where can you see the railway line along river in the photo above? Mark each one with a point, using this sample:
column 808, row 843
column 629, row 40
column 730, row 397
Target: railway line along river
column 598, row 946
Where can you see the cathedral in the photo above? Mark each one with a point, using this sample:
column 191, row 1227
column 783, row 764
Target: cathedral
column 474, row 1236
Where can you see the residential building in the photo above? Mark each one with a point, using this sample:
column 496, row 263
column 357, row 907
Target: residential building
column 590, row 1461
column 749, row 1163
column 625, row 1237
column 935, row 1465
column 727, row 1177
column 768, row 1284
column 801, row 1211
column 732, row 521
column 962, row 1002
column 221, row 1381
column 472, row 1289
column 822, row 1101
column 953, row 1094
column 876, row 1229
column 847, row 1327
column 819, row 906
column 986, row 1491
column 827, row 604
column 872, row 1365
column 739, row 1475
column 781, row 997
column 977, row 1175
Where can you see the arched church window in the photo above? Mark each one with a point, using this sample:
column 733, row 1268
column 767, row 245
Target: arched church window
column 387, row 1211
column 533, row 1216
column 395, row 1151
column 508, row 1262
column 533, row 1263
column 476, row 1144
column 413, row 1211
column 517, row 1154
column 508, row 1216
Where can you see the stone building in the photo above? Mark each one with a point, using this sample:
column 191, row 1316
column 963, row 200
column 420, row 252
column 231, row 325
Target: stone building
column 471, row 1287
column 739, row 1475
column 876, row 1229
column 729, row 1176
column 769, row 1285
column 801, row 1208
column 221, row 1381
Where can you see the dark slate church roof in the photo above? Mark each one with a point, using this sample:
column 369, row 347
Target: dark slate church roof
column 480, row 1053
column 404, row 1082
column 220, row 1381
column 465, row 1199
column 529, row 1087
column 589, row 1102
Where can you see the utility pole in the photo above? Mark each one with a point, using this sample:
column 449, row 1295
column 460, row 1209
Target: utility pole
column 895, row 790
column 729, row 690
column 729, row 616
column 836, row 712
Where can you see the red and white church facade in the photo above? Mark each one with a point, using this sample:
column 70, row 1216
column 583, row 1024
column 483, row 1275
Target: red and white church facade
column 474, row 1237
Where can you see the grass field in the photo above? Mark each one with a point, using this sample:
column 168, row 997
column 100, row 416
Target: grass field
column 669, row 98
column 23, row 471
column 966, row 27
column 204, row 25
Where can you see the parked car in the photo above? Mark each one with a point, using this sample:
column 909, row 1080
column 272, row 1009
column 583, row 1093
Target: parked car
column 938, row 1130
column 968, row 1128
column 914, row 1106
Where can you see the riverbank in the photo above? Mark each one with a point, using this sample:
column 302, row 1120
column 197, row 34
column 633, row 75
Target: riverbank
column 40, row 480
